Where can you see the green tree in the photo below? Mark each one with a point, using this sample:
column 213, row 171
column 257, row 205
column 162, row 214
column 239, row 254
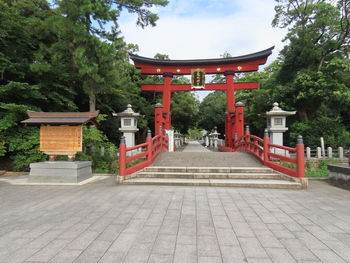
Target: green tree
column 212, row 112
column 319, row 35
column 184, row 111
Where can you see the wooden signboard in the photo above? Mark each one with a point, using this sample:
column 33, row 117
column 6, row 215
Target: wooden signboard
column 61, row 139
column 198, row 78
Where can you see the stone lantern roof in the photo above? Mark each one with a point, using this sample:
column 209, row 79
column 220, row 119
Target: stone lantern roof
column 277, row 111
column 129, row 112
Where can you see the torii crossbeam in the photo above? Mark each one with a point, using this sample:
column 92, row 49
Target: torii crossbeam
column 228, row 66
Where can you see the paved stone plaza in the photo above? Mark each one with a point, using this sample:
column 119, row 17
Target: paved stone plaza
column 104, row 222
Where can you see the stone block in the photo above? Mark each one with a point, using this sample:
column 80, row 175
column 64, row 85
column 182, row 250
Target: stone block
column 59, row 172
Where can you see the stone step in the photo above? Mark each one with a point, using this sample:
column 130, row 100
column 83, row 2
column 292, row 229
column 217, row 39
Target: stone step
column 192, row 175
column 265, row 183
column 208, row 169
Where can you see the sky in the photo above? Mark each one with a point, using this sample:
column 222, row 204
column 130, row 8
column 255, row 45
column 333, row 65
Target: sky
column 200, row 29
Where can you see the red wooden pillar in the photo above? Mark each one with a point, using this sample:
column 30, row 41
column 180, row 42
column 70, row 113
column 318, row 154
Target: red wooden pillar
column 227, row 142
column 300, row 157
column 168, row 76
column 158, row 119
column 122, row 157
column 240, row 119
column 230, row 101
column 247, row 137
column 149, row 147
column 266, row 147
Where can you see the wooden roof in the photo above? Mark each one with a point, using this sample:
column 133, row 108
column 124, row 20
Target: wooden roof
column 61, row 118
column 244, row 63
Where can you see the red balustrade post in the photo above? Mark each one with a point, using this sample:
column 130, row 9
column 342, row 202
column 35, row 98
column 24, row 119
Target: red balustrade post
column 235, row 141
column 122, row 157
column 240, row 118
column 266, row 147
column 247, row 137
column 158, row 118
column 149, row 147
column 300, row 157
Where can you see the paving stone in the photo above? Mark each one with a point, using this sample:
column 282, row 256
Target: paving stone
column 66, row 256
column 242, row 229
column 138, row 253
column 310, row 240
column 327, row 255
column 340, row 248
column 226, row 237
column 111, row 233
column 259, row 260
column 185, row 254
column 280, row 255
column 267, row 239
column 156, row 258
column 83, row 241
column 20, row 255
column 184, row 239
column 232, row 254
column 252, row 248
column 209, row 260
column 112, row 221
column 93, row 253
column 148, row 234
column 164, row 244
column 208, row 246
column 298, row 250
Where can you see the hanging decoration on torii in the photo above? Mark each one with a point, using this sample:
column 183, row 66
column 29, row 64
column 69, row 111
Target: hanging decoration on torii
column 198, row 68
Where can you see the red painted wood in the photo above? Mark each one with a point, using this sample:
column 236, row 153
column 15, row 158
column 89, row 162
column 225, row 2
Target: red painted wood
column 208, row 86
column 283, row 158
column 266, row 150
column 136, row 167
column 122, row 159
column 149, row 142
column 293, row 150
column 300, row 160
column 251, row 144
column 282, row 169
column 137, row 156
column 153, row 147
column 209, row 69
column 136, row 147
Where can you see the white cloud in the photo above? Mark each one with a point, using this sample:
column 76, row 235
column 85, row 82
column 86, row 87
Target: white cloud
column 245, row 30
column 185, row 37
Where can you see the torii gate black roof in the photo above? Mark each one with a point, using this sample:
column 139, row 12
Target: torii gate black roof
column 193, row 62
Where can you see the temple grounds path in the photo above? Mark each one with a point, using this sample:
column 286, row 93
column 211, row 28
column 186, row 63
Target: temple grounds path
column 104, row 222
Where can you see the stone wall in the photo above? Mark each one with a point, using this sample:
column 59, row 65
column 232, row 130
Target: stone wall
column 339, row 174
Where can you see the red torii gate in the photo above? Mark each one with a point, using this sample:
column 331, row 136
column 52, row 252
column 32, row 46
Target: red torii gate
column 234, row 120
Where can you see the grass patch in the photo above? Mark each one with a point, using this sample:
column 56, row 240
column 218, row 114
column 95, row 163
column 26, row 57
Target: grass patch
column 318, row 168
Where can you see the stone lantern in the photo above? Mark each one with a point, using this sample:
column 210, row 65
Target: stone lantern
column 128, row 119
column 215, row 135
column 276, row 123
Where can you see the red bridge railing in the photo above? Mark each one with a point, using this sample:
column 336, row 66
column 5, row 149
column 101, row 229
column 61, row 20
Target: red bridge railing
column 129, row 163
column 271, row 155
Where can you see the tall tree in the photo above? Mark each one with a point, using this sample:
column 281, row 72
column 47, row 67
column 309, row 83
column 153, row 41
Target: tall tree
column 85, row 24
column 319, row 36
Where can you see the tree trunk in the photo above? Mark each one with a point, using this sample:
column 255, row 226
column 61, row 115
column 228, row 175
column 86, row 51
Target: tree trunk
column 92, row 97
column 303, row 115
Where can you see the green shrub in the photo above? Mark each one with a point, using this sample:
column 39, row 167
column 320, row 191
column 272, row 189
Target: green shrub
column 317, row 168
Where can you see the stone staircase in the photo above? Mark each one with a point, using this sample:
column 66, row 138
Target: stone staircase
column 255, row 177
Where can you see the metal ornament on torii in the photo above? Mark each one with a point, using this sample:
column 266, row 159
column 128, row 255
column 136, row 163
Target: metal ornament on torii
column 234, row 119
